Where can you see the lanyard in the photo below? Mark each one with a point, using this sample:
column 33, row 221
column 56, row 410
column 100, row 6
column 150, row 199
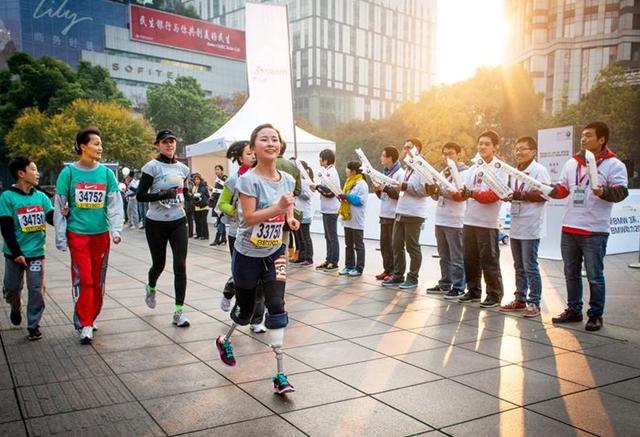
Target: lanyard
column 580, row 177
column 518, row 188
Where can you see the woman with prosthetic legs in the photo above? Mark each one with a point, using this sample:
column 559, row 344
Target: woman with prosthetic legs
column 266, row 202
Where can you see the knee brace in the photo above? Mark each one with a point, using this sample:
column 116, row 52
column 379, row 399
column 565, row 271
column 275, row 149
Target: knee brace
column 275, row 321
column 237, row 317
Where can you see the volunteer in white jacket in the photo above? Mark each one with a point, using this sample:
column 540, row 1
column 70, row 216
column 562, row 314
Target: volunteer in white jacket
column 353, row 205
column 388, row 196
column 585, row 227
column 480, row 230
column 329, row 208
column 527, row 227
column 304, row 203
column 449, row 221
column 411, row 212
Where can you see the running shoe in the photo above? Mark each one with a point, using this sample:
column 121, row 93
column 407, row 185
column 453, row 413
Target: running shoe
column 34, row 334
column 345, row 271
column 306, row 263
column 382, row 276
column 150, row 297
column 322, row 266
column 393, row 282
column 330, row 267
column 86, row 335
column 355, row 273
column 258, row 328
column 436, row 290
column 225, row 304
column 180, row 320
column 532, row 310
column 16, row 315
column 408, row 285
column 454, row 294
column 225, row 349
column 281, row 384
column 514, row 305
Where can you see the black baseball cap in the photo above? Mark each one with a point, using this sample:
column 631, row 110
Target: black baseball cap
column 164, row 134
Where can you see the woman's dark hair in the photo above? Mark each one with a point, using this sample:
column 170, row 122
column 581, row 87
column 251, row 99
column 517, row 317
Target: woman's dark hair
column 328, row 155
column 234, row 152
column 355, row 166
column 219, row 166
column 254, row 134
column 307, row 168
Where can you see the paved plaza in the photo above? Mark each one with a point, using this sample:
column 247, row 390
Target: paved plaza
column 365, row 360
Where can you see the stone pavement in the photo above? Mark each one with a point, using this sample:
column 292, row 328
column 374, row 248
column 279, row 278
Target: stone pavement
column 364, row 360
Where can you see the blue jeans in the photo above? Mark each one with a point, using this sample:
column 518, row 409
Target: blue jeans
column 525, row 263
column 591, row 248
column 449, row 242
column 330, row 223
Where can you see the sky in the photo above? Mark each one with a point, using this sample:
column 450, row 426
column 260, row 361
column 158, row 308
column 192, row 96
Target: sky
column 470, row 34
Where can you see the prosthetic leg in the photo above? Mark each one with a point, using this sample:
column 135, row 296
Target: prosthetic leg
column 276, row 324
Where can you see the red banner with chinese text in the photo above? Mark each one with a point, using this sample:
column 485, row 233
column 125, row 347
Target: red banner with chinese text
column 157, row 27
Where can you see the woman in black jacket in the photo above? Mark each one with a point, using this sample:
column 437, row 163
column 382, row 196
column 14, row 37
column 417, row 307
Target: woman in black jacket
column 200, row 193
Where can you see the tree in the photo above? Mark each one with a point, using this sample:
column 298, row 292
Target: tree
column 183, row 107
column 231, row 104
column 615, row 100
column 49, row 85
column 48, row 139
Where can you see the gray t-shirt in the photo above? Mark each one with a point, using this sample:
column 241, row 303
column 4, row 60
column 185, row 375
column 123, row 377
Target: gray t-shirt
column 263, row 239
column 165, row 176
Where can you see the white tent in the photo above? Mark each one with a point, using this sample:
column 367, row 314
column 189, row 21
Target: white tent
column 270, row 96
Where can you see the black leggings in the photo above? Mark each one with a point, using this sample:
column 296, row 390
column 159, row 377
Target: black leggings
column 158, row 234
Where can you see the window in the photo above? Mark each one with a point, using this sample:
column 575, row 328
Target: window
column 590, row 25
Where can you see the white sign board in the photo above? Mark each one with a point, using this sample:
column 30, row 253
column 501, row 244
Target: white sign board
column 555, row 147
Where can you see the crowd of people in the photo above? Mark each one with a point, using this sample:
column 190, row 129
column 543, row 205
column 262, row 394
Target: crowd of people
column 266, row 205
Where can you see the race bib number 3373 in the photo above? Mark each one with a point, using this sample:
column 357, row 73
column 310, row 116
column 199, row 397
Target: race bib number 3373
column 90, row 195
column 31, row 218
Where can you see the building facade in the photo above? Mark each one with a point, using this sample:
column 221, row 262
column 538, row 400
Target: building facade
column 125, row 40
column 566, row 43
column 351, row 59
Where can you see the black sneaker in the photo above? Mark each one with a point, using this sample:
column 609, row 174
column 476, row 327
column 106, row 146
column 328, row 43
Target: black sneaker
column 567, row 316
column 435, row 290
column 454, row 294
column 594, row 323
column 330, row 267
column 393, row 282
column 322, row 266
column 34, row 334
column 490, row 302
column 468, row 297
column 16, row 316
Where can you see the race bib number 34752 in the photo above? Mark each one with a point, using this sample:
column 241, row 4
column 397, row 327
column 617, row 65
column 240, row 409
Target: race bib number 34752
column 90, row 195
column 31, row 218
column 269, row 233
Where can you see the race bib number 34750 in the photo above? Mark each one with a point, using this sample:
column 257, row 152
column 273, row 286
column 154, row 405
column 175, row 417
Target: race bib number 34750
column 90, row 195
column 31, row 218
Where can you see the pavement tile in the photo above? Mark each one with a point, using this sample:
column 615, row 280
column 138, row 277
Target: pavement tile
column 203, row 409
column 149, row 358
column 306, row 335
column 431, row 402
column 13, row 429
column 583, row 369
column 513, row 349
column 356, row 328
column 380, row 375
column 5, row 376
column 567, row 338
column 312, row 389
column 9, row 410
column 295, row 304
column 356, row 417
column 375, row 308
column 256, row 367
column 164, row 320
column 514, row 423
column 323, row 315
column 121, row 326
column 519, row 385
column 272, row 425
column 49, row 369
column 122, row 419
column 451, row 361
column 507, row 324
column 398, row 342
column 621, row 353
column 206, row 350
column 78, row 394
column 332, row 354
column 412, row 319
column 629, row 389
column 128, row 341
column 594, row 411
column 456, row 333
column 197, row 331
column 168, row 381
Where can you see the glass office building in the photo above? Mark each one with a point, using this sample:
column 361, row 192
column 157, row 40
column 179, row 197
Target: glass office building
column 351, row 59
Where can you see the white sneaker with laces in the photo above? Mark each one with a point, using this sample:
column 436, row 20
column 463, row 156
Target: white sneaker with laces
column 86, row 335
column 225, row 304
column 180, row 320
column 150, row 297
column 259, row 328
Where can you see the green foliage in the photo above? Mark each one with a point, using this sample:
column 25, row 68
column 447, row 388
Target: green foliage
column 49, row 139
column 175, row 7
column 183, row 107
column 49, row 85
column 615, row 100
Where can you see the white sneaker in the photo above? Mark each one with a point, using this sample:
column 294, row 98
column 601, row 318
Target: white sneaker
column 258, row 328
column 225, row 304
column 86, row 335
column 140, row 225
column 180, row 320
column 150, row 297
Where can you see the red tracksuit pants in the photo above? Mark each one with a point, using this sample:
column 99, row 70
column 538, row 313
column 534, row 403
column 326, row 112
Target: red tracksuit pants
column 89, row 258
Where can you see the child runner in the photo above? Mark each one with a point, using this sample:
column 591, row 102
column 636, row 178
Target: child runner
column 87, row 204
column 240, row 153
column 163, row 184
column 352, row 210
column 266, row 202
column 23, row 211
